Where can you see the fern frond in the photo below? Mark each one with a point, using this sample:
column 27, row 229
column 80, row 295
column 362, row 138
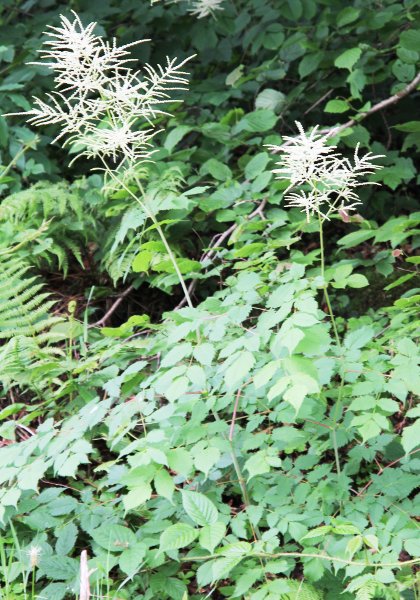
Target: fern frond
column 300, row 590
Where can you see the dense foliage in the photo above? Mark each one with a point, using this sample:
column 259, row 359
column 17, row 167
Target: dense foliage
column 261, row 443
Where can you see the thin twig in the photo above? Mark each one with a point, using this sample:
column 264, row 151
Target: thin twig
column 331, row 131
column 113, row 308
column 382, row 469
column 216, row 242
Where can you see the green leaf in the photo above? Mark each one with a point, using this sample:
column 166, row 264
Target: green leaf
column 66, row 539
column 357, row 280
column 317, row 532
column 180, row 461
column 355, row 238
column 142, row 261
column 410, row 39
column 336, row 106
column 137, row 496
column 411, row 437
column 175, row 136
column 164, row 484
column 348, row 58
column 217, row 169
column 131, row 559
column 239, row 369
column 199, row 508
column 177, row 388
column 309, row 64
column 256, row 165
column 409, row 127
column 206, row 459
column 114, row 538
column 270, row 99
column 263, row 376
column 257, row 464
column 212, row 535
column 347, row 15
column 177, row 536
column 258, row 121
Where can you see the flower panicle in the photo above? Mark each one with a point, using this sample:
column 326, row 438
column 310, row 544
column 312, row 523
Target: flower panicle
column 327, row 179
column 104, row 107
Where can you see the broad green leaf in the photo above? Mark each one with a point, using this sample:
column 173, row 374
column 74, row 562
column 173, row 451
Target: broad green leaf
column 337, row 106
column 175, row 135
column 199, row 508
column 257, row 464
column 258, row 121
column 309, row 64
column 142, row 261
column 348, row 15
column 180, row 461
column 131, row 559
column 263, row 376
column 348, row 58
column 217, row 169
column 411, row 436
column 66, row 539
column 206, row 459
column 356, row 237
column 271, row 99
column 114, row 538
column 137, row 496
column 164, row 484
column 357, row 280
column 239, row 369
column 212, row 535
column 256, row 165
column 177, row 536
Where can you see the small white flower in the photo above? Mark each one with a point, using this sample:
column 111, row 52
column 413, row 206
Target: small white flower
column 34, row 553
column 328, row 179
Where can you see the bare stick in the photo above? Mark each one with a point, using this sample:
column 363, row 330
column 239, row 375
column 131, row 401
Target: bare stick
column 216, row 242
column 113, row 307
column 84, row 577
column 375, row 108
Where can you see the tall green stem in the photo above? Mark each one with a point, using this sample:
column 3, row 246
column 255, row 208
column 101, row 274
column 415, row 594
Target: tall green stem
column 325, row 286
column 151, row 215
column 337, row 338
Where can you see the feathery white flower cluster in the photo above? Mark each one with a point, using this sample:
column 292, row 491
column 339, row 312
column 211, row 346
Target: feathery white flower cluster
column 104, row 106
column 328, row 179
column 199, row 8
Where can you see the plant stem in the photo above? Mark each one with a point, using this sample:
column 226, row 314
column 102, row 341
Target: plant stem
column 326, row 295
column 343, row 561
column 337, row 338
column 156, row 223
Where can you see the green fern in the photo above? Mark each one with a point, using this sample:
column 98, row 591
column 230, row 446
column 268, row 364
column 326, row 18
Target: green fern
column 24, row 309
column 366, row 591
column 69, row 212
column 26, row 323
column 301, row 591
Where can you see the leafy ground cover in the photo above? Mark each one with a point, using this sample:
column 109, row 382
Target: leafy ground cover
column 256, row 434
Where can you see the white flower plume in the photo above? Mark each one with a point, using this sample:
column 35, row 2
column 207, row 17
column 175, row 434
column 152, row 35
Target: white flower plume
column 326, row 180
column 100, row 103
column 205, row 8
column 199, row 8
